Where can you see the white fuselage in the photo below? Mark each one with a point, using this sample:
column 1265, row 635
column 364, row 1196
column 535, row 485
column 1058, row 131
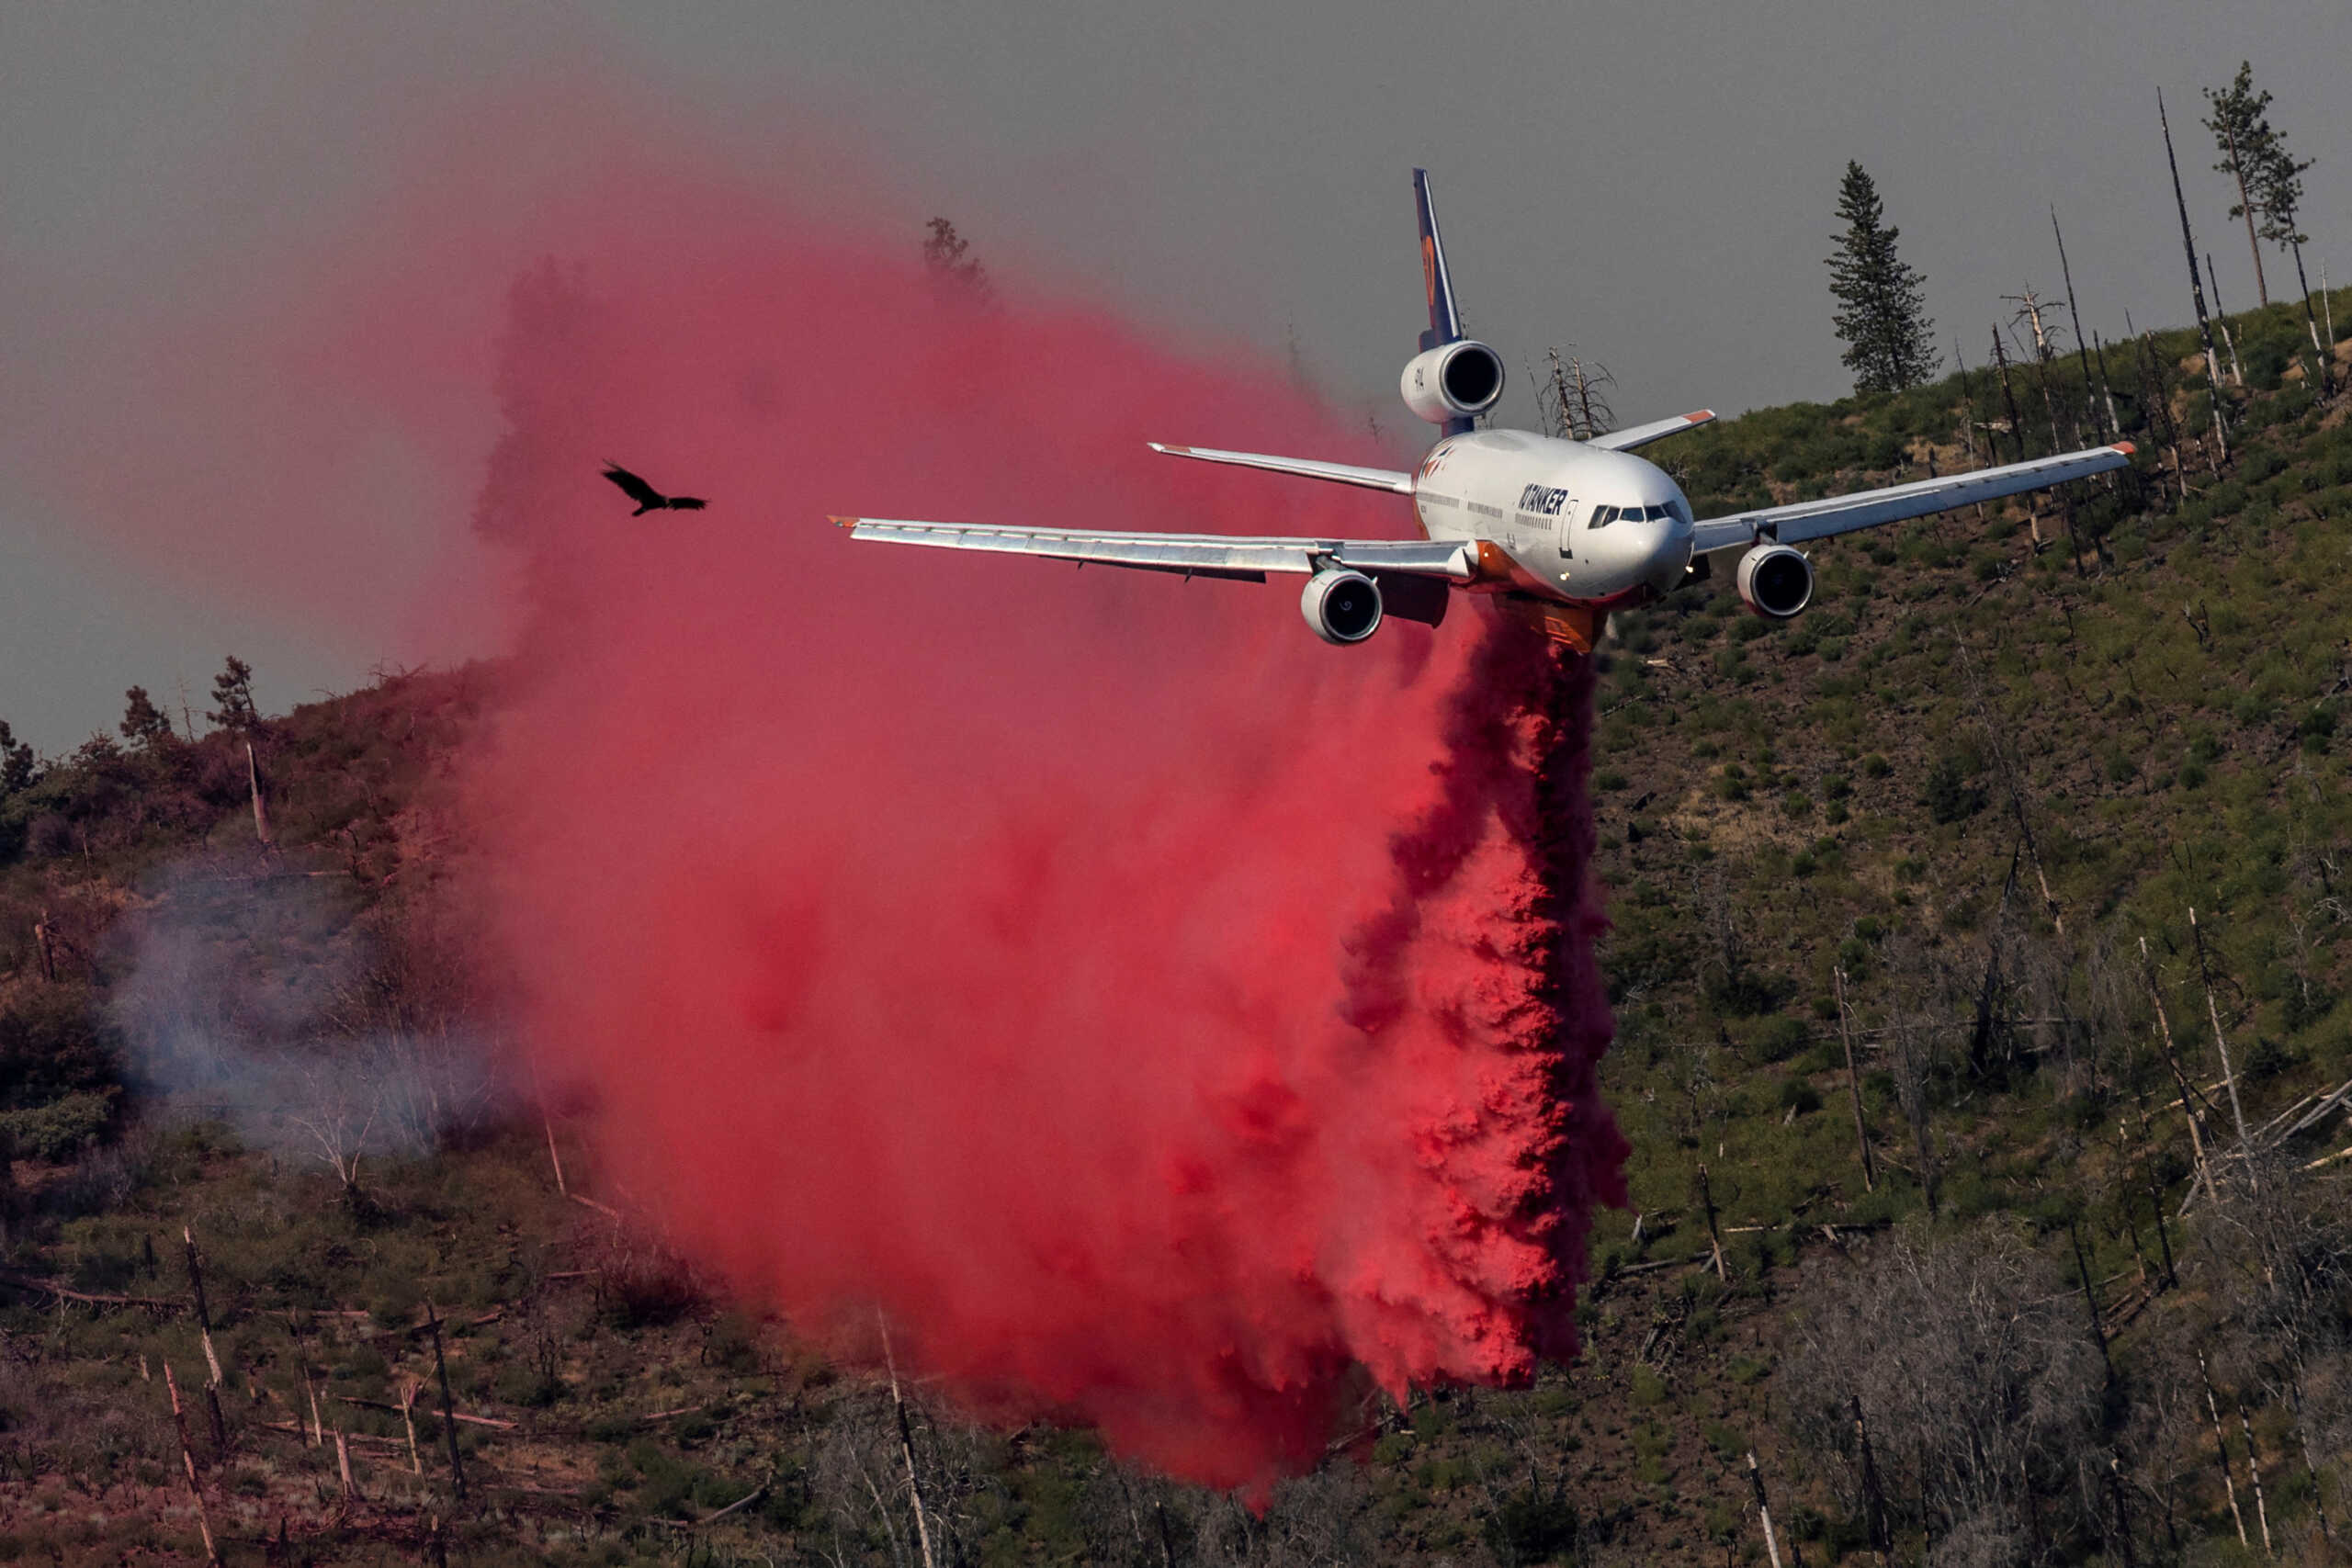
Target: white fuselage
column 1574, row 522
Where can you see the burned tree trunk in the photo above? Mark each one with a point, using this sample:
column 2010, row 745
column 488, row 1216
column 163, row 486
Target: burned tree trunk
column 2222, row 321
column 2197, row 288
column 1854, row 1087
column 2221, row 1041
column 2221, row 1450
column 212, row 1360
column 2188, row 1097
column 2017, row 433
column 2081, row 352
column 188, row 1461
column 448, row 1404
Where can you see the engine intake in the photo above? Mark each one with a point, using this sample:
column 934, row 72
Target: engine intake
column 1342, row 606
column 1775, row 582
column 1453, row 381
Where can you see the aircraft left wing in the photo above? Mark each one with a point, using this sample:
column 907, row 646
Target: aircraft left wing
column 1194, row 555
column 1657, row 429
column 1805, row 520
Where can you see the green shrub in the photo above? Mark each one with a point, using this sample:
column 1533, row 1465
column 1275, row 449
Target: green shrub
column 60, row 1130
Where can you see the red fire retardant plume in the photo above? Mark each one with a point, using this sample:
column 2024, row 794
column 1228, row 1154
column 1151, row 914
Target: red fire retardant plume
column 1155, row 1013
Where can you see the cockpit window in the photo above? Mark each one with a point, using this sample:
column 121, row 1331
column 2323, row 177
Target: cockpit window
column 1602, row 516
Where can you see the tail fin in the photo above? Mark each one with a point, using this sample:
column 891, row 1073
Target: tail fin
column 1445, row 321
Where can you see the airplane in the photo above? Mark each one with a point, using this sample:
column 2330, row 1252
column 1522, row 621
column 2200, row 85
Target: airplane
column 1561, row 532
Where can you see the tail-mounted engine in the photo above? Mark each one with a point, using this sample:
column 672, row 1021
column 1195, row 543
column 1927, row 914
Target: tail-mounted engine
column 1775, row 582
column 1453, row 381
column 1342, row 606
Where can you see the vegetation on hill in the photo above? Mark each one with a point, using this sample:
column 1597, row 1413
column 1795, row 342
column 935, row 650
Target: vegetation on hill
column 1929, row 823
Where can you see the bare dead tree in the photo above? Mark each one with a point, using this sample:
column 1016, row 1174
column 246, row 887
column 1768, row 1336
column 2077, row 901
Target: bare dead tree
column 1714, row 1236
column 1854, row 1085
column 2191, row 1101
column 2082, row 354
column 2156, row 396
column 1764, row 1513
column 1573, row 401
column 2253, row 1473
column 2220, row 1040
column 2113, row 426
column 906, row 1445
column 211, row 1359
column 2197, row 288
column 2222, row 321
column 2221, row 1450
column 1985, row 1401
column 2030, row 308
column 448, row 1404
column 253, row 778
column 2016, row 432
column 1968, row 421
column 187, row 1461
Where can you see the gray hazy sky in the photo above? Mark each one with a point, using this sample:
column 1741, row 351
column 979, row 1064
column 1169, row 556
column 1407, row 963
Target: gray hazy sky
column 1653, row 183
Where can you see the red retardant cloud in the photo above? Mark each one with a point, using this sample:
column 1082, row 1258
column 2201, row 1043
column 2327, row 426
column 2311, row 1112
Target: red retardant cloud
column 1162, row 1018
column 1155, row 1013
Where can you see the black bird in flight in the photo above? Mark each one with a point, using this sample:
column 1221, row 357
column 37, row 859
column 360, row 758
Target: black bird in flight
column 648, row 499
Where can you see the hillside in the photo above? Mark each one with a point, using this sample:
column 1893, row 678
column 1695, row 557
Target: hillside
column 1958, row 794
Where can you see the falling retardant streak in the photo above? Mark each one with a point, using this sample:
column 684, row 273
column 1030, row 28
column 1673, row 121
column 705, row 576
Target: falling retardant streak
column 1156, row 1014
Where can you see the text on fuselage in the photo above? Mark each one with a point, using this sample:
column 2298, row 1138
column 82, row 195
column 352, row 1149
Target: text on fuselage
column 1543, row 500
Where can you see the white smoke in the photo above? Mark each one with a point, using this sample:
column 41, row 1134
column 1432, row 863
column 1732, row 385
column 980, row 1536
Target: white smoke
column 317, row 1022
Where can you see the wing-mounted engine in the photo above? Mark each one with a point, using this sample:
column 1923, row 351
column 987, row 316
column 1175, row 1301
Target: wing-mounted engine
column 1342, row 606
column 1775, row 582
column 1453, row 381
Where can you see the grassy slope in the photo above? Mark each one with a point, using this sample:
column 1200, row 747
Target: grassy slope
column 1772, row 782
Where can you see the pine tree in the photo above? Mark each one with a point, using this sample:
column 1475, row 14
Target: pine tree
column 946, row 256
column 232, row 689
column 2240, row 126
column 2275, row 184
column 18, row 765
column 1882, row 316
column 143, row 723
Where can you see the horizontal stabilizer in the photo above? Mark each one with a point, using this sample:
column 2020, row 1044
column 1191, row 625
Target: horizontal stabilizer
column 1306, row 468
column 1643, row 435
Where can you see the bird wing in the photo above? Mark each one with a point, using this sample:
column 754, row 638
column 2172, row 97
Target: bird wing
column 636, row 489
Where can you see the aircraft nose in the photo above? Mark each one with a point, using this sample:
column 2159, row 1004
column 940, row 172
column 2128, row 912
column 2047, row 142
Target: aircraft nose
column 1668, row 550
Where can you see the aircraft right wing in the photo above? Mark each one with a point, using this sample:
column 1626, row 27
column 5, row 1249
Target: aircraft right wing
column 1804, row 520
column 1194, row 555
column 1657, row 429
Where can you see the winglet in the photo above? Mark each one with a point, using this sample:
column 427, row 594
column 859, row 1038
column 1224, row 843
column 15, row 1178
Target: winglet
column 2125, row 447
column 1437, row 282
column 844, row 522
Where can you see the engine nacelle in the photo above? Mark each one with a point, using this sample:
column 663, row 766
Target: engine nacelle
column 1342, row 606
column 1453, row 381
column 1775, row 582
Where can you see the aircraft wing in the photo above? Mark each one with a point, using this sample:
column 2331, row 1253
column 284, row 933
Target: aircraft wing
column 1805, row 520
column 1194, row 555
column 1643, row 435
column 1304, row 467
